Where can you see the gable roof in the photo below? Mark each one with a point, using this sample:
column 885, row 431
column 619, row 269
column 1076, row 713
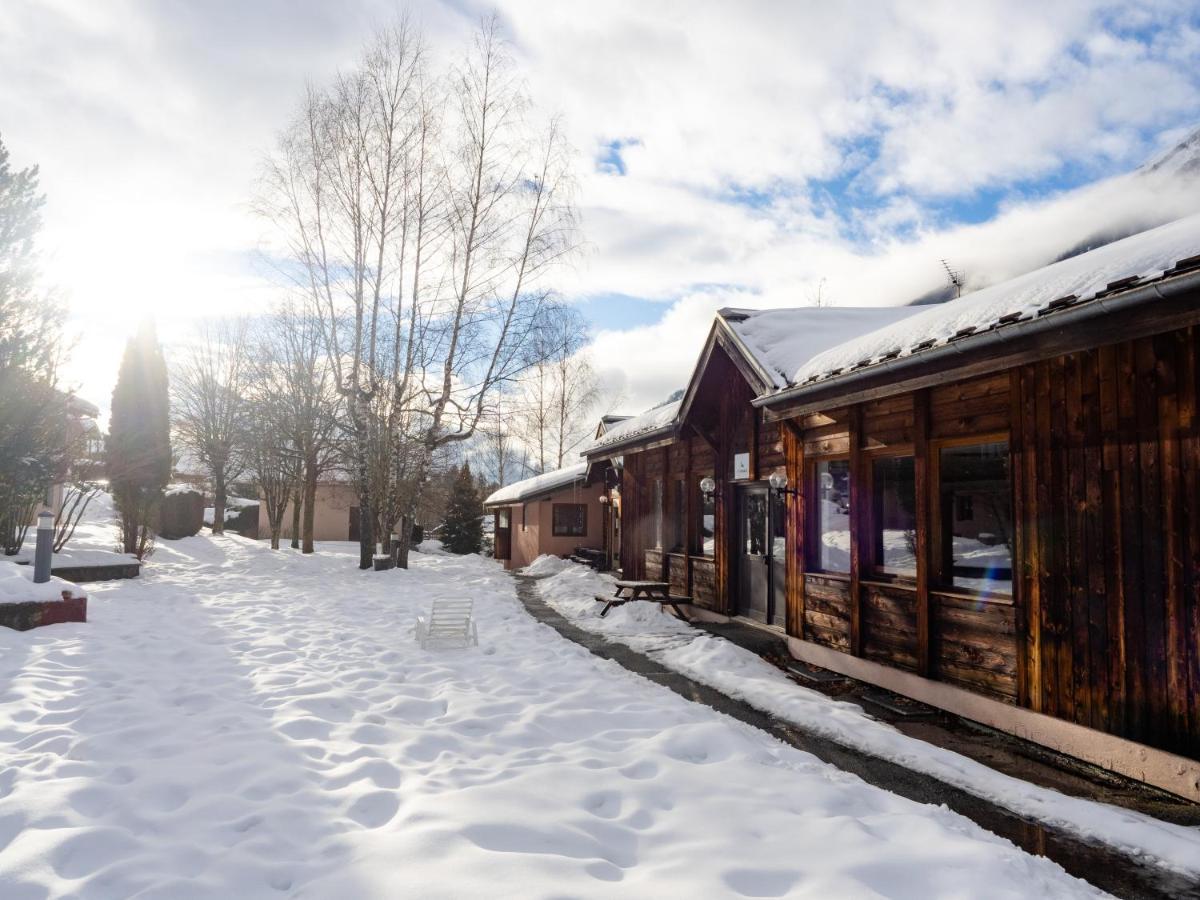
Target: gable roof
column 520, row 491
column 634, row 429
column 781, row 341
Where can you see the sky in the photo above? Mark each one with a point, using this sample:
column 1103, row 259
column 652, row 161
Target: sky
column 757, row 154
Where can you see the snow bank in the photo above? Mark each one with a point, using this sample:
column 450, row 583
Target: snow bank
column 432, row 546
column 16, row 586
column 274, row 730
column 746, row 676
column 545, row 565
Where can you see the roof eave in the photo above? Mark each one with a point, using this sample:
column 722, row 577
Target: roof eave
column 633, row 442
column 999, row 348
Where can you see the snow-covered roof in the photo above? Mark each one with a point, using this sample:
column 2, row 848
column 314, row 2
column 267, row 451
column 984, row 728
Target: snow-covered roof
column 538, row 484
column 1119, row 265
column 635, row 426
column 783, row 340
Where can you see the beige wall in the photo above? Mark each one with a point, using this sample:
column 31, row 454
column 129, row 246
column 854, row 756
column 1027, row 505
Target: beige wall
column 331, row 521
column 537, row 535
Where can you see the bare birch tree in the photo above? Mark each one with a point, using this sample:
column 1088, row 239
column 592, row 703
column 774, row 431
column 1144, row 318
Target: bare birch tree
column 208, row 410
column 424, row 215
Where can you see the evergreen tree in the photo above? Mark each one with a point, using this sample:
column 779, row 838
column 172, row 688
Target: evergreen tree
column 139, row 443
column 462, row 531
column 35, row 444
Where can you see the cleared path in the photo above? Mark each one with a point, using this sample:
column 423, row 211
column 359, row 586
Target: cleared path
column 1114, row 872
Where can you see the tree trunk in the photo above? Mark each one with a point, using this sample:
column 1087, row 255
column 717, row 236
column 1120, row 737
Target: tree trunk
column 366, row 533
column 402, row 547
column 218, row 525
column 275, row 537
column 310, row 502
column 297, row 500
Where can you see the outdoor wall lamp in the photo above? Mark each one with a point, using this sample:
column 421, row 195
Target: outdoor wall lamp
column 779, row 484
column 604, row 498
column 708, row 487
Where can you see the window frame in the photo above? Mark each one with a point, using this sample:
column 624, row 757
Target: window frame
column 813, row 533
column 554, row 527
column 874, row 569
column 939, row 580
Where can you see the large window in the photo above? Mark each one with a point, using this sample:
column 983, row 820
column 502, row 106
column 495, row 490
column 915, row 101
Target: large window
column 678, row 523
column 503, row 517
column 706, row 513
column 976, row 517
column 658, row 514
column 894, row 515
column 832, row 515
column 778, row 526
column 569, row 520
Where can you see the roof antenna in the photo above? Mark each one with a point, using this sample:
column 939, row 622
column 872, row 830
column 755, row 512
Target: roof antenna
column 956, row 278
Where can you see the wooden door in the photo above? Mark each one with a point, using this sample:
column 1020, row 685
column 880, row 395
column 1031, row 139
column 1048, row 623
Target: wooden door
column 503, row 533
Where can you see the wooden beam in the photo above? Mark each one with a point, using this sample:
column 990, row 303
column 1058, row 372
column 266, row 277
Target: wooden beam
column 858, row 499
column 925, row 523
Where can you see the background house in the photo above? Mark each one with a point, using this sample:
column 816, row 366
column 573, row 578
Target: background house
column 547, row 514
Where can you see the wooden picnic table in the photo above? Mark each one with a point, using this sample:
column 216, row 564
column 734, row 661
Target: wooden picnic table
column 653, row 591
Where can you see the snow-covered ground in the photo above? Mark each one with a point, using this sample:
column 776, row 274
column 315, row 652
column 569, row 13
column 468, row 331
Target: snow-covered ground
column 94, row 543
column 242, row 723
column 572, row 589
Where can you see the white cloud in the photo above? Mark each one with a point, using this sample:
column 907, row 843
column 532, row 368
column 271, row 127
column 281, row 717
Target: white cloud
column 149, row 120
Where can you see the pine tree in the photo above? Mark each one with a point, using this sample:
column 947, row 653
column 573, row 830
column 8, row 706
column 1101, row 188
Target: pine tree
column 139, row 442
column 35, row 444
column 462, row 531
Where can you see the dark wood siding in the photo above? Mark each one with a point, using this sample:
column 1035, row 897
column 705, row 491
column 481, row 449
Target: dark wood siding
column 1107, row 489
column 1103, row 624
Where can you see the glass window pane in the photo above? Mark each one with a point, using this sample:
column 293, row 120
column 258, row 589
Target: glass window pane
column 778, row 525
column 754, row 526
column 894, row 487
column 680, row 537
column 504, row 517
column 833, row 515
column 976, row 517
column 569, row 520
column 708, row 523
column 658, row 514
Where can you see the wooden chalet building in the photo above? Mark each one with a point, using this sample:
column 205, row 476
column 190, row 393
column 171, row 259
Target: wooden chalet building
column 991, row 505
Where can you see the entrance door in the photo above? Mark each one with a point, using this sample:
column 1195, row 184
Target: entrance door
column 753, row 553
column 503, row 534
column 761, row 566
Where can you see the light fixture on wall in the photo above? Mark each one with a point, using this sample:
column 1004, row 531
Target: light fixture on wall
column 779, row 484
column 604, row 499
column 708, row 487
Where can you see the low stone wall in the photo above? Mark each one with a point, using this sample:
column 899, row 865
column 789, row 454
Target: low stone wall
column 24, row 616
column 80, row 574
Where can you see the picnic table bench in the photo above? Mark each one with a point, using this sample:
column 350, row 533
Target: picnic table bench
column 654, row 591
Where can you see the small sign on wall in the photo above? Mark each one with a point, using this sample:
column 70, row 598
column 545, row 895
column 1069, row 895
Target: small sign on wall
column 741, row 466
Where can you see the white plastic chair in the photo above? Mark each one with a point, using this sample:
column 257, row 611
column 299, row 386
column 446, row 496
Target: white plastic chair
column 450, row 624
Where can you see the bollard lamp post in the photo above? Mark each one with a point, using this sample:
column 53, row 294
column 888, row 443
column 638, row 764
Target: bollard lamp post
column 45, row 547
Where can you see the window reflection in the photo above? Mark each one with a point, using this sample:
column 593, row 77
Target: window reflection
column 976, row 517
column 894, row 498
column 833, row 515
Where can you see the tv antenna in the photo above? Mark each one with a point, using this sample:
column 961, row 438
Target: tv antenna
column 955, row 277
